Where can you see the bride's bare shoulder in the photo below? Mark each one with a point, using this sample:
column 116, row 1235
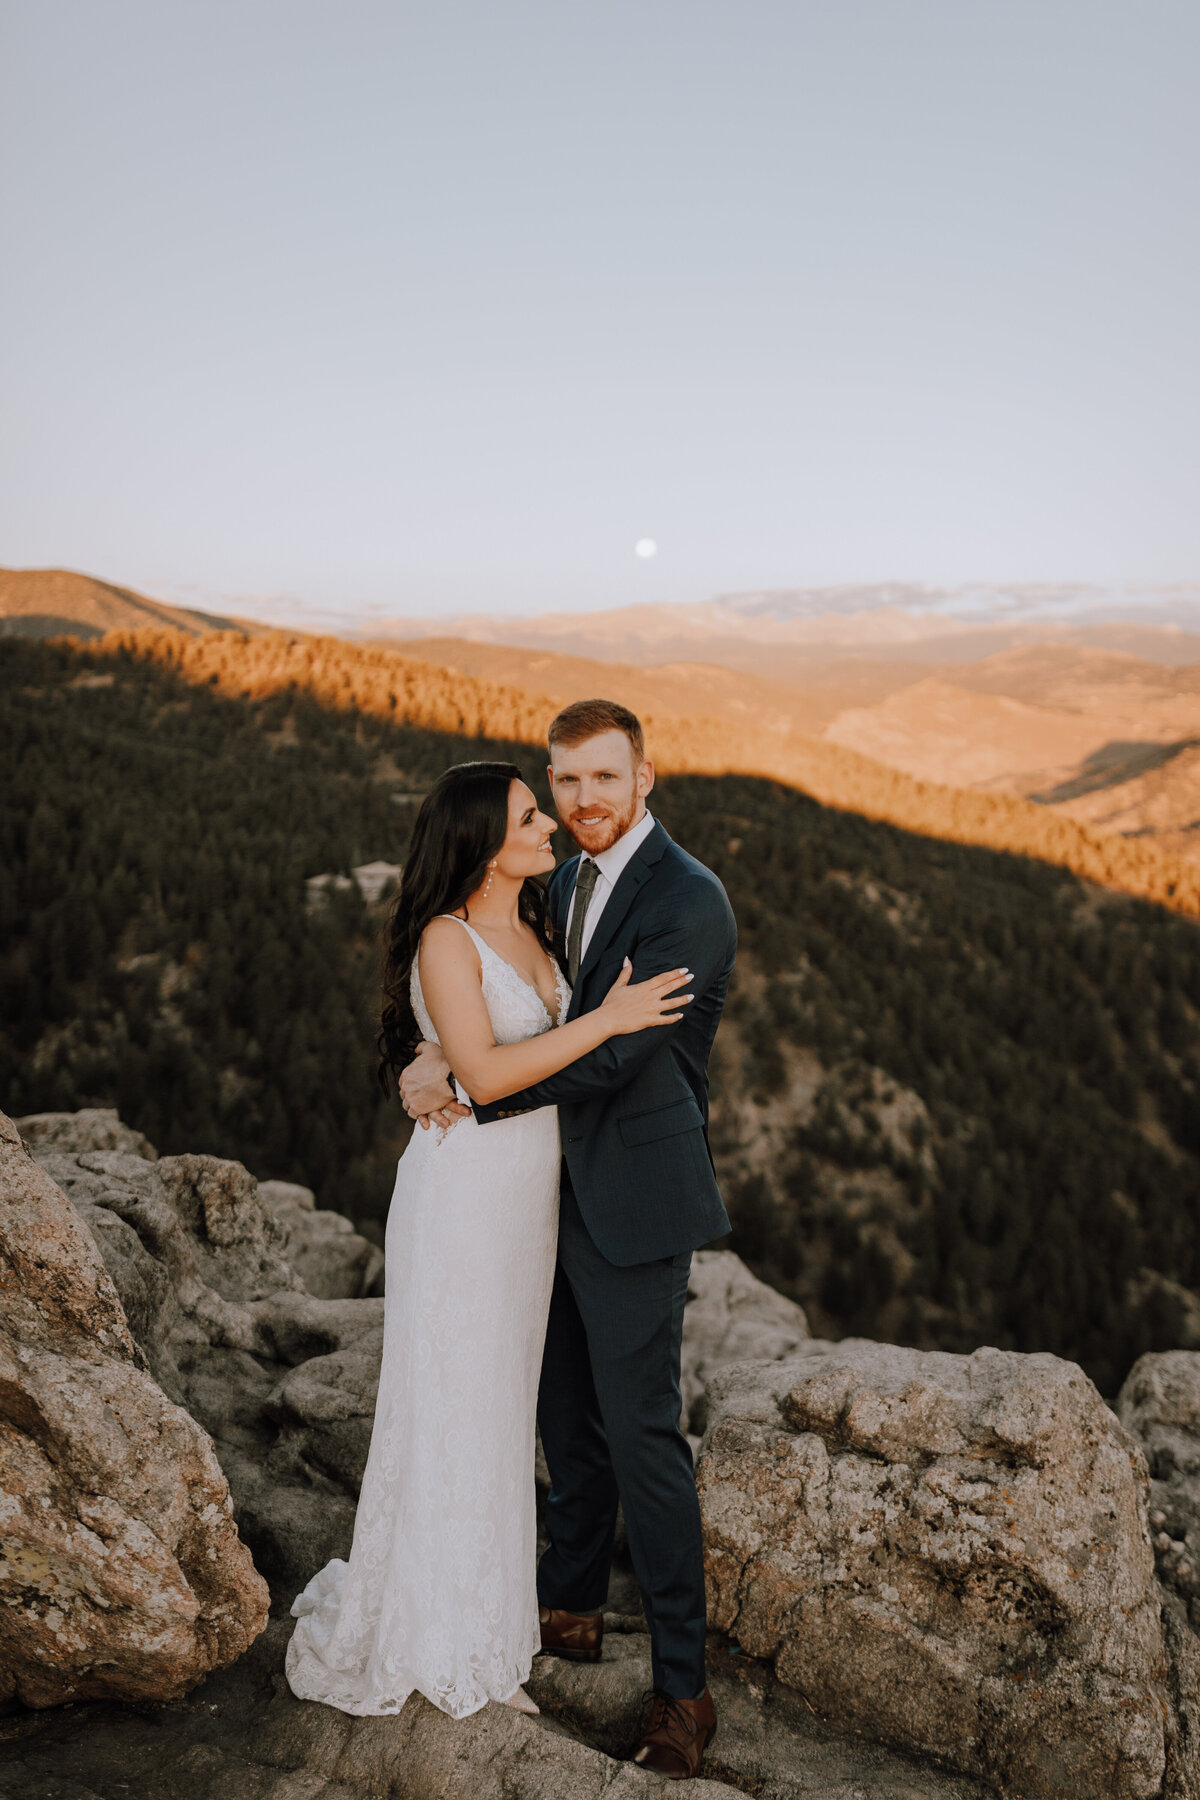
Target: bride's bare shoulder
column 445, row 945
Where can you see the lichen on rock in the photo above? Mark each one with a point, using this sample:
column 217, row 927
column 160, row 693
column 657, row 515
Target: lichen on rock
column 121, row 1571
column 949, row 1552
column 1159, row 1403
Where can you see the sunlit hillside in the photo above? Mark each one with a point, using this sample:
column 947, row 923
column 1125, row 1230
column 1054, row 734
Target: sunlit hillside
column 807, row 698
column 955, row 1098
column 1098, row 723
column 1109, row 739
column 1105, row 738
column 48, row 602
column 387, row 686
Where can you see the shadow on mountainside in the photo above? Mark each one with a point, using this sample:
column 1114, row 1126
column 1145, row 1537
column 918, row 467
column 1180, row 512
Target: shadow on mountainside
column 956, row 1092
column 1111, row 766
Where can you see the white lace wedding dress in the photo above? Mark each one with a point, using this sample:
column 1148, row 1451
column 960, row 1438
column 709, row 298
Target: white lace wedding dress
column 439, row 1593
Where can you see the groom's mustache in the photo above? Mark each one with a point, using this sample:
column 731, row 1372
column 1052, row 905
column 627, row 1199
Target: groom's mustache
column 586, row 820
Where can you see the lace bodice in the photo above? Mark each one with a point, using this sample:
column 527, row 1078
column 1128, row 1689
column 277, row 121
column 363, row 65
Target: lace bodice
column 516, row 1009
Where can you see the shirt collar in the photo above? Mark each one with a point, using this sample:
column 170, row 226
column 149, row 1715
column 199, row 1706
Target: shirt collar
column 612, row 861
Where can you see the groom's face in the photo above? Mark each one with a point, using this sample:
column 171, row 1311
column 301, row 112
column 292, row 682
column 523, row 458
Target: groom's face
column 599, row 790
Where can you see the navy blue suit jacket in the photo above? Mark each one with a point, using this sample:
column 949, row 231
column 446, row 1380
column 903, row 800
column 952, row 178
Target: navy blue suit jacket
column 634, row 1112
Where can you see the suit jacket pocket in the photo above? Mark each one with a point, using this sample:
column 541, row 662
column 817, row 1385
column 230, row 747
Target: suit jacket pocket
column 664, row 1121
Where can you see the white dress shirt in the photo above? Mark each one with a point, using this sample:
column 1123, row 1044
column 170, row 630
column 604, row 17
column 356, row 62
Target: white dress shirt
column 609, row 864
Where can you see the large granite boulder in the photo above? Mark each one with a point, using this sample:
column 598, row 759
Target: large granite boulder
column 1160, row 1404
column 121, row 1571
column 224, row 1322
column 949, row 1553
column 188, row 1246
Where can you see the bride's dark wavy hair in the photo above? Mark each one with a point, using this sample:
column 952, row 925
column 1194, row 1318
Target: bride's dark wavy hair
column 462, row 823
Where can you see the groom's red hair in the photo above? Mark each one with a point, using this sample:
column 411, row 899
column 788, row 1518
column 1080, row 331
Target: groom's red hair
column 585, row 719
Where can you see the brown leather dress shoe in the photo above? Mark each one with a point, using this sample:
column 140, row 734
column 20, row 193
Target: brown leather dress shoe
column 575, row 1636
column 674, row 1741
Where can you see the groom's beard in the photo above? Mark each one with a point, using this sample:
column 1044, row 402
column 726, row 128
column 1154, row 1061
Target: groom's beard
column 610, row 824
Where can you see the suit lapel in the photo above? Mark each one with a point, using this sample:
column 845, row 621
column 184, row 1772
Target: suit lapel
column 562, row 886
column 633, row 876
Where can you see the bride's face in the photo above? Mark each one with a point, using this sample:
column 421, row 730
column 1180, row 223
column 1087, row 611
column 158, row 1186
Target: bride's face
column 526, row 849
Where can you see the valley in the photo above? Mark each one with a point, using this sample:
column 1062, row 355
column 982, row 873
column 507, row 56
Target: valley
column 955, row 1096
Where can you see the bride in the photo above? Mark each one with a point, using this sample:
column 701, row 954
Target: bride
column 439, row 1594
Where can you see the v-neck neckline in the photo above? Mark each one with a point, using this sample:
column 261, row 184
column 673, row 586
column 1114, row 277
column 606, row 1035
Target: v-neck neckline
column 524, row 980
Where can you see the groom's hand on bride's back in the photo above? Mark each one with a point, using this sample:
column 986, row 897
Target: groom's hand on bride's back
column 425, row 1091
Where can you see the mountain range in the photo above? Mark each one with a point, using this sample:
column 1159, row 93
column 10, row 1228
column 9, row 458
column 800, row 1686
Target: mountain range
column 1088, row 713
column 781, row 633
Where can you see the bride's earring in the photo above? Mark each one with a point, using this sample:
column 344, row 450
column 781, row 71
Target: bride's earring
column 488, row 883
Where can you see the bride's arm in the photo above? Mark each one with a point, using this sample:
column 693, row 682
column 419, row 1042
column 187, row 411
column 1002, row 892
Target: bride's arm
column 450, row 972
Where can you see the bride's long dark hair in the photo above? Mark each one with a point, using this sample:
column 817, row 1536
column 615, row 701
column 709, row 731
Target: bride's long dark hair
column 462, row 822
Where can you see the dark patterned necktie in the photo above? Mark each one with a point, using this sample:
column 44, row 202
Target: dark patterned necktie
column 585, row 885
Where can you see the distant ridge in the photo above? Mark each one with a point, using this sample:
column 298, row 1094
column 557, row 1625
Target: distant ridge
column 785, row 635
column 44, row 603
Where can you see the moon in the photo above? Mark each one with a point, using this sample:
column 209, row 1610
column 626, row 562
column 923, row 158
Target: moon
column 645, row 547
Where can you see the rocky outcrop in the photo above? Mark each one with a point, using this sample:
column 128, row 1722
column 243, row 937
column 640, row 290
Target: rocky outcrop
column 121, row 1571
column 322, row 1246
column 931, row 1576
column 1160, row 1404
column 950, row 1553
column 95, row 1128
column 731, row 1317
column 235, row 1290
column 244, row 1737
column 769, row 1742
column 282, row 1380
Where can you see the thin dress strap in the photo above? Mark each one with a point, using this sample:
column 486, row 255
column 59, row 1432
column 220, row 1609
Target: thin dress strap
column 479, row 943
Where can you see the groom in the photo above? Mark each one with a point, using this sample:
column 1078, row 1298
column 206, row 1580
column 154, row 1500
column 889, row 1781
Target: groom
column 638, row 1195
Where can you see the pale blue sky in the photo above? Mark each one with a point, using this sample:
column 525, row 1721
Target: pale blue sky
column 440, row 307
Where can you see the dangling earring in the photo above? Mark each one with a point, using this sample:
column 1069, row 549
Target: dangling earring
column 488, row 883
